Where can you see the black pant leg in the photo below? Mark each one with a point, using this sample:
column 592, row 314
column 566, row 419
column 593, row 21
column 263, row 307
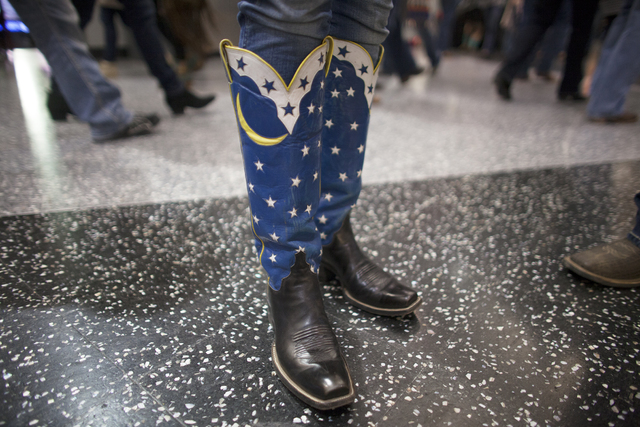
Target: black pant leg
column 583, row 14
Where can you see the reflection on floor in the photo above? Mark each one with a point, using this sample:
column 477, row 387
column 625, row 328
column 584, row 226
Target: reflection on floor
column 130, row 294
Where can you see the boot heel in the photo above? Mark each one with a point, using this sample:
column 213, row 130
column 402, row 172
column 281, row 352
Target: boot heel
column 325, row 275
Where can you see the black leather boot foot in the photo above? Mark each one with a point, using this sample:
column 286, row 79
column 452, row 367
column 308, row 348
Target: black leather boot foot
column 616, row 264
column 364, row 284
column 184, row 99
column 503, row 87
column 305, row 352
column 57, row 105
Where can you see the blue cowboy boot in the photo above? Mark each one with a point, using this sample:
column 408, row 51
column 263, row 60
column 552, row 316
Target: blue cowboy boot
column 348, row 97
column 280, row 128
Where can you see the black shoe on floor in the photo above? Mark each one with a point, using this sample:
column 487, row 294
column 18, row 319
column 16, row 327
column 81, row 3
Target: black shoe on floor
column 139, row 125
column 624, row 117
column 503, row 86
column 184, row 99
column 405, row 77
column 364, row 284
column 305, row 352
column 571, row 96
column 57, row 105
column 616, row 264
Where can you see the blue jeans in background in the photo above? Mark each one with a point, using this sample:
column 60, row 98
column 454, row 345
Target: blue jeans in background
column 634, row 236
column 428, row 41
column 445, row 32
column 492, row 16
column 398, row 57
column 284, row 32
column 53, row 24
column 619, row 64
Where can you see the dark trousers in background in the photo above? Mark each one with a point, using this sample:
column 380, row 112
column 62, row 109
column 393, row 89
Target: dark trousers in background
column 543, row 16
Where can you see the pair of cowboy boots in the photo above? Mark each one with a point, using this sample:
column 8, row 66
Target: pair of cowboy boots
column 303, row 147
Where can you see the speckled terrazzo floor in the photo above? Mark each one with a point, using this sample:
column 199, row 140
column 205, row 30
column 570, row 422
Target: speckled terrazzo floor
column 143, row 304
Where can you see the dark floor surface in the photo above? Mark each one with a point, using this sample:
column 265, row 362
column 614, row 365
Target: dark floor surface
column 155, row 314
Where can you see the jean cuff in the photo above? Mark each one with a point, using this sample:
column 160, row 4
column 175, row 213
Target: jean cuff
column 104, row 130
column 635, row 239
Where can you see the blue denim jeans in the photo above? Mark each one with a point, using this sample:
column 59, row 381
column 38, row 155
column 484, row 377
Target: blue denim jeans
column 429, row 42
column 53, row 24
column 492, row 16
column 619, row 64
column 634, row 236
column 398, row 57
column 445, row 31
column 284, row 32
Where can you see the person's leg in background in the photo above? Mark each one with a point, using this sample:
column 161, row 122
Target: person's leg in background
column 53, row 25
column 178, row 60
column 445, row 32
column 615, row 264
column 525, row 41
column 56, row 103
column 399, row 58
column 634, row 235
column 429, row 43
column 140, row 16
column 582, row 15
column 555, row 41
column 492, row 16
column 110, row 53
column 618, row 68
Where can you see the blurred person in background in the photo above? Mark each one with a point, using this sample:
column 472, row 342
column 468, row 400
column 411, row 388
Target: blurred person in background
column 446, row 24
column 608, row 10
column 527, row 37
column 53, row 24
column 552, row 44
column 618, row 68
column 399, row 58
column 419, row 13
column 140, row 17
column 493, row 11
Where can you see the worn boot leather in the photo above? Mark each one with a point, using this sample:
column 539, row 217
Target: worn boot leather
column 615, row 264
column 364, row 284
column 305, row 352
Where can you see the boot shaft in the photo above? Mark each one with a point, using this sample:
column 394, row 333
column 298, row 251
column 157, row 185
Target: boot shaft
column 280, row 128
column 349, row 92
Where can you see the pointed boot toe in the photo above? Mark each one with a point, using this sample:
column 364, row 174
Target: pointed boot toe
column 325, row 385
column 364, row 284
column 616, row 264
column 305, row 353
column 184, row 99
column 397, row 295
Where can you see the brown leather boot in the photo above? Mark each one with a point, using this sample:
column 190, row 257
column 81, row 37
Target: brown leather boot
column 616, row 264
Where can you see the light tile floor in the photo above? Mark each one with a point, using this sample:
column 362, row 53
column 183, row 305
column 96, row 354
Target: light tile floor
column 448, row 125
